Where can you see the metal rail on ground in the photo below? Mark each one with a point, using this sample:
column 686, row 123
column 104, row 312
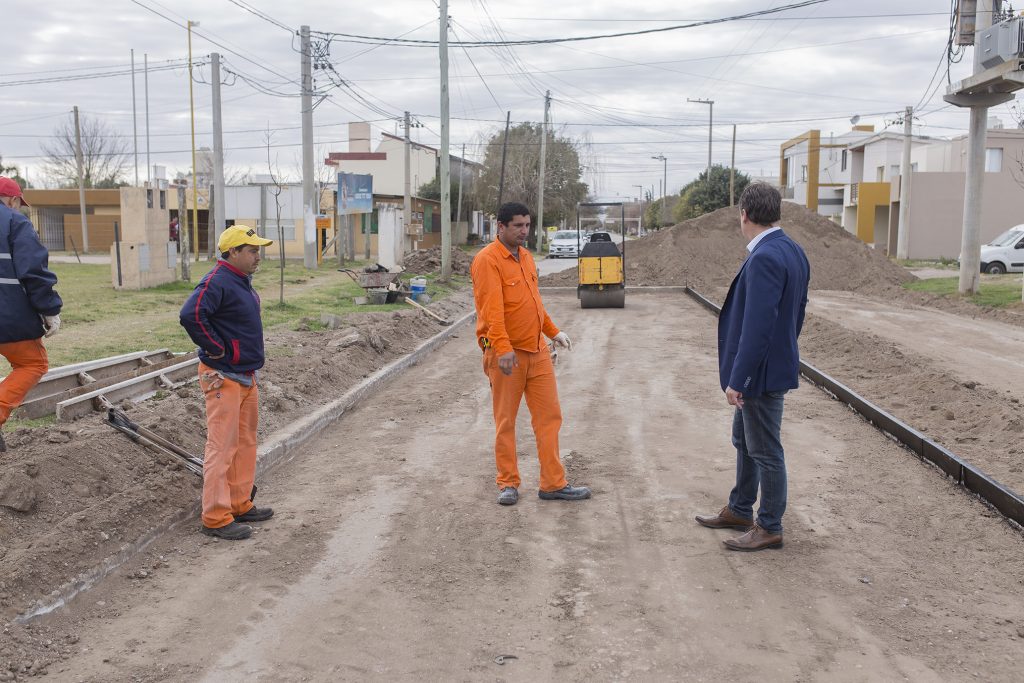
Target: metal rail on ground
column 999, row 496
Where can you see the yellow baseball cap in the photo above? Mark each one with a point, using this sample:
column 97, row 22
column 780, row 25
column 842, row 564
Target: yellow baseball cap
column 239, row 236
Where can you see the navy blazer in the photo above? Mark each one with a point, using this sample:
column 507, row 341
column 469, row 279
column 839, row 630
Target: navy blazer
column 762, row 318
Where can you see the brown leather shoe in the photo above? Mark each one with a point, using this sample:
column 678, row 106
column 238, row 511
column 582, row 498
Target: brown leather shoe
column 726, row 519
column 755, row 539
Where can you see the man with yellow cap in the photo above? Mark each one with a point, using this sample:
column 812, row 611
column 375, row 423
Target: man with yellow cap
column 222, row 316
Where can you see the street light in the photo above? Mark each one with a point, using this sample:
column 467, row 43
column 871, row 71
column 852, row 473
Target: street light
column 640, row 224
column 664, row 188
column 711, row 116
column 192, row 111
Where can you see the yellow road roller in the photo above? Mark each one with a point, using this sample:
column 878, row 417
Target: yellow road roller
column 602, row 263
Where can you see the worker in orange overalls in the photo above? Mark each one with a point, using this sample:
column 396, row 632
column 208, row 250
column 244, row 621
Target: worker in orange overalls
column 222, row 316
column 511, row 325
column 29, row 306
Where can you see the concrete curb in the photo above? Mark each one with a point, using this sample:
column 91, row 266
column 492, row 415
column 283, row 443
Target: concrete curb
column 278, row 448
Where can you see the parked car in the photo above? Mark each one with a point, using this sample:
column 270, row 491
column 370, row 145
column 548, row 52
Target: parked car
column 1004, row 254
column 565, row 244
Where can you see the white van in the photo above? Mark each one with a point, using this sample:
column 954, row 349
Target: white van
column 1004, row 254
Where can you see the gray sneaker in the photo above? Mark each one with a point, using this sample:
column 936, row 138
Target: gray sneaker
column 508, row 496
column 231, row 532
column 567, row 493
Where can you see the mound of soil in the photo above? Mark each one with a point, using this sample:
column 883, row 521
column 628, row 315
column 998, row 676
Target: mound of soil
column 423, row 261
column 72, row 495
column 706, row 252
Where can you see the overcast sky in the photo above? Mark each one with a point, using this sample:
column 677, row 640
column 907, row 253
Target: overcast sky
column 624, row 98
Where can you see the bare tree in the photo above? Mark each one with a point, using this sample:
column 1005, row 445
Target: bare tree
column 275, row 175
column 105, row 154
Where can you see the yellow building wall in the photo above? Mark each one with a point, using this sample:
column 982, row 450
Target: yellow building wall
column 869, row 197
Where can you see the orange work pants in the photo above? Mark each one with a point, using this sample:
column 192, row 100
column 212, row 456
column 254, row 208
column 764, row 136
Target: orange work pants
column 534, row 377
column 28, row 363
column 229, row 463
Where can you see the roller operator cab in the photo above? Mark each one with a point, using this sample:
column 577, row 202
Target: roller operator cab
column 602, row 267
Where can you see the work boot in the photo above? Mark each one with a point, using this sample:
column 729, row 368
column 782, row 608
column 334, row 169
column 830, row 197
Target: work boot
column 3, row 446
column 755, row 539
column 255, row 514
column 508, row 496
column 231, row 532
column 567, row 492
column 726, row 519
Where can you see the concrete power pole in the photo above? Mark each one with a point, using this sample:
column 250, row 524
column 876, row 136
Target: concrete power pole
column 732, row 170
column 970, row 243
column 711, row 119
column 407, row 205
column 218, row 152
column 446, row 173
column 543, row 159
column 903, row 236
column 145, row 71
column 183, row 235
column 135, row 122
column 81, row 184
column 310, row 205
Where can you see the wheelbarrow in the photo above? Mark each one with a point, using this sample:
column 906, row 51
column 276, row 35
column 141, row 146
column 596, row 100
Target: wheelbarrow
column 377, row 281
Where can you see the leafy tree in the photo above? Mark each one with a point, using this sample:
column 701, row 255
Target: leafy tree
column 104, row 154
column 14, row 174
column 700, row 196
column 563, row 186
column 432, row 190
column 654, row 214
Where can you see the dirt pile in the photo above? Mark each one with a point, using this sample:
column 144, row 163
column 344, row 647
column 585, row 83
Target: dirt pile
column 74, row 494
column 706, row 252
column 423, row 261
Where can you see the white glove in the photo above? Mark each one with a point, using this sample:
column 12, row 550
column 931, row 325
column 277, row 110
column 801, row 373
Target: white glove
column 51, row 323
column 562, row 339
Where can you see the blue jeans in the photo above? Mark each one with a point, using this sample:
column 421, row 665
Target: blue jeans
column 760, row 460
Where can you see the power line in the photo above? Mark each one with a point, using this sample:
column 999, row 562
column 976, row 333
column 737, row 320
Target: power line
column 262, row 15
column 575, row 39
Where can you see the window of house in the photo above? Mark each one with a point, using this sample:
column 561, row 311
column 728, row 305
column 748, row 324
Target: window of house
column 163, row 199
column 149, row 199
column 803, row 173
column 993, row 159
column 913, row 167
column 842, row 162
column 894, row 170
column 879, row 174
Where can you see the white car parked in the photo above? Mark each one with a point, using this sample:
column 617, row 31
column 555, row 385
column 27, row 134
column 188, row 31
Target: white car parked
column 1004, row 254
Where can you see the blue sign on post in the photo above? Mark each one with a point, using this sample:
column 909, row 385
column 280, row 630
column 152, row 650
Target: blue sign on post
column 355, row 193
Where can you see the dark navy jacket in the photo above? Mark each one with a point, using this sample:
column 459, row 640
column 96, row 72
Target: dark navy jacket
column 26, row 286
column 222, row 315
column 762, row 318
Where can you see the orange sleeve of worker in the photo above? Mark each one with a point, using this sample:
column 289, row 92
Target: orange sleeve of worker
column 546, row 326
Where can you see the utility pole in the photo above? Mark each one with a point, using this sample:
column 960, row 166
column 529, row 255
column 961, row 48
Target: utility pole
column 218, row 152
column 308, row 190
column 664, row 188
column 135, row 122
column 543, row 157
column 462, row 173
column 183, row 234
column 711, row 111
column 979, row 102
column 903, row 236
column 504, row 154
column 192, row 110
column 732, row 170
column 145, row 71
column 81, row 183
column 407, row 205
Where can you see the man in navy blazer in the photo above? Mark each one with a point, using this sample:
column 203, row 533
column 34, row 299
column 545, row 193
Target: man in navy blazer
column 758, row 362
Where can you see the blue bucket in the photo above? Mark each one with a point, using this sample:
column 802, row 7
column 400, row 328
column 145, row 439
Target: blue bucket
column 419, row 287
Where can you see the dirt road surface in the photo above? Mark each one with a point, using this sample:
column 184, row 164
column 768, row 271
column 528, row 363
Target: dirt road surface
column 389, row 559
column 973, row 349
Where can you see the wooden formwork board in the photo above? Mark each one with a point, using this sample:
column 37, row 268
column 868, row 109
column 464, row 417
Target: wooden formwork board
column 136, row 387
